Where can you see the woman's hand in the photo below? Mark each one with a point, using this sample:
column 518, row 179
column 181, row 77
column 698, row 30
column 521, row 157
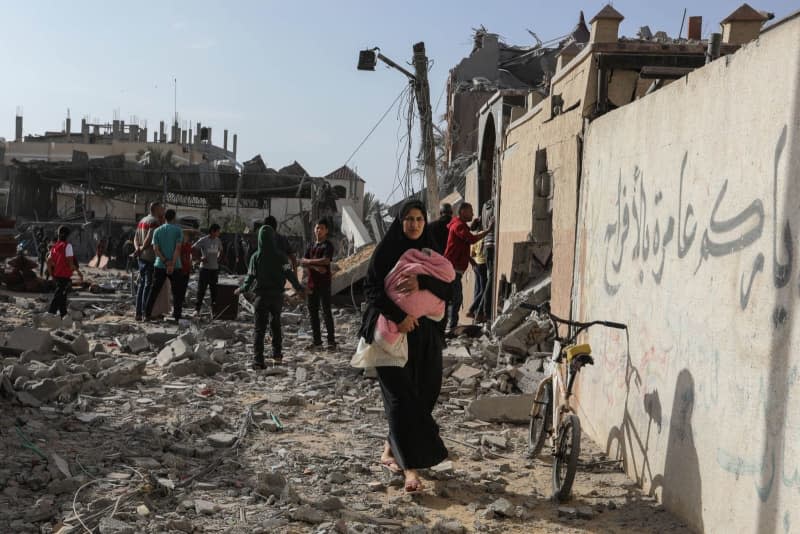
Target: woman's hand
column 408, row 284
column 408, row 324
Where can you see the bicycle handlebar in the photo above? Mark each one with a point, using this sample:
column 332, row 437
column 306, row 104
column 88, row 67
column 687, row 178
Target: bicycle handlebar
column 544, row 308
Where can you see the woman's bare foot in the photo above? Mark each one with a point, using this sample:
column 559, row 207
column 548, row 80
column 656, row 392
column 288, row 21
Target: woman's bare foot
column 388, row 460
column 413, row 483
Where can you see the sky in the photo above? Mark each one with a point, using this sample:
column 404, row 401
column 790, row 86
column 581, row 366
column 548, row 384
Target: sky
column 282, row 75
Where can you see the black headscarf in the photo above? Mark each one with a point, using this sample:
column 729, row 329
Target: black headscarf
column 393, row 245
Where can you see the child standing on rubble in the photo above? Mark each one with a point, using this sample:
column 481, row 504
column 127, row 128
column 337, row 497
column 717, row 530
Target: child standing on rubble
column 269, row 269
column 61, row 264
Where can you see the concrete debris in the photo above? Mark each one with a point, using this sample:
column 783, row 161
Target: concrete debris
column 501, row 409
column 169, row 423
column 25, row 338
column 70, row 342
column 513, row 314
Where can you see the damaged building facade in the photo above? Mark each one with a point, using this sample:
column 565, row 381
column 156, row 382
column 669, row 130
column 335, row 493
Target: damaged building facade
column 624, row 182
column 103, row 178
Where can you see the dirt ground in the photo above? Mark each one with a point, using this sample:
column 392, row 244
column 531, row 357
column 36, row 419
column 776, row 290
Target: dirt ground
column 291, row 449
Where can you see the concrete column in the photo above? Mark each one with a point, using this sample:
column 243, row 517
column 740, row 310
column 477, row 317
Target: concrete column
column 18, row 130
column 84, row 131
column 235, row 139
column 225, row 140
column 162, row 135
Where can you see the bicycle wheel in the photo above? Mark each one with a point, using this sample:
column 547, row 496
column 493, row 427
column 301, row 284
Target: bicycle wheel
column 565, row 461
column 541, row 418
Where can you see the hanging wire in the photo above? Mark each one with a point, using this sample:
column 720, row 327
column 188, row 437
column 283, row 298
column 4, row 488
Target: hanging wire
column 385, row 113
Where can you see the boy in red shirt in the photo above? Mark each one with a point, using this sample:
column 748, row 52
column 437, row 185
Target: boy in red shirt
column 61, row 264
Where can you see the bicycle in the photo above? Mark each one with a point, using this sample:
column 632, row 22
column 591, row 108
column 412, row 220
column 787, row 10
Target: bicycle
column 568, row 359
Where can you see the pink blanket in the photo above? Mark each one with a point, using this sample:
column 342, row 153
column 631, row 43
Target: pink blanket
column 419, row 303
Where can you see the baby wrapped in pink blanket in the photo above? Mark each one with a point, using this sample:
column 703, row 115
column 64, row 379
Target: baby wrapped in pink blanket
column 418, row 304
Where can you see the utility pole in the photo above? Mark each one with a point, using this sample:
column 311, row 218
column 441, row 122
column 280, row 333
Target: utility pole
column 366, row 61
column 423, row 93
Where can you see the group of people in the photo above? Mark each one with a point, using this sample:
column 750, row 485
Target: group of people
column 462, row 241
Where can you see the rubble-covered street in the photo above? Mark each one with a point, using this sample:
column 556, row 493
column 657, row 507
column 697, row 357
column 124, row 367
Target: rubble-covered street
column 114, row 426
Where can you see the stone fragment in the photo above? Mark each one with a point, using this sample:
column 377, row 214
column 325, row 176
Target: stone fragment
column 503, row 507
column 202, row 507
column 330, row 504
column 444, row 468
column 466, row 372
column 221, row 439
column 124, row 373
column 197, row 367
column 337, row 478
column 175, row 351
column 25, row 338
column 307, row 514
column 501, row 409
column 498, row 442
column 43, row 390
column 513, row 314
column 218, row 331
column 34, row 356
column 584, row 512
column 43, row 509
column 137, row 344
column 70, row 342
column 26, row 399
column 567, row 511
column 182, row 525
column 268, row 484
column 452, row 526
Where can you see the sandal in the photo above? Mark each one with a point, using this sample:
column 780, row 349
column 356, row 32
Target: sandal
column 391, row 464
column 413, row 485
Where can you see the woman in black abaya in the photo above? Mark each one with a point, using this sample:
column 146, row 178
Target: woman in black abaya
column 410, row 392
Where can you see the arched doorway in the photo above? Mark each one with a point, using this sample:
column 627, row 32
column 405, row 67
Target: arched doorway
column 486, row 162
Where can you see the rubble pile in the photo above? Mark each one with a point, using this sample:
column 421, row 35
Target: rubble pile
column 113, row 426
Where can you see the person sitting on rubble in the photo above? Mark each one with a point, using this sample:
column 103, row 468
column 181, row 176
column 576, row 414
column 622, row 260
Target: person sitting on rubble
column 20, row 275
column 61, row 264
column 409, row 392
column 266, row 276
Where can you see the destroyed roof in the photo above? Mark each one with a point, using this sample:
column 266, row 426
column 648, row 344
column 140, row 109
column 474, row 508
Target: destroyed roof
column 295, row 169
column 344, row 173
column 745, row 13
column 607, row 13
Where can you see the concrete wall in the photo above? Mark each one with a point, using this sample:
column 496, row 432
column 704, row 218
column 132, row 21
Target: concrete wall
column 689, row 220
column 535, row 131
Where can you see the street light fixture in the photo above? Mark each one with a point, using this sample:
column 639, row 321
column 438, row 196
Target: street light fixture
column 367, row 60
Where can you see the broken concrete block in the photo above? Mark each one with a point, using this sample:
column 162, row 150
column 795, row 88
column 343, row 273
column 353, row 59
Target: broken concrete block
column 498, row 442
column 43, row 390
column 465, row 372
column 137, row 343
column 512, row 314
column 122, row 374
column 70, row 342
column 176, row 350
column 506, row 409
column 197, row 367
column 503, row 507
column 25, row 338
column 218, row 331
column 455, row 354
column 202, row 507
column 34, row 356
column 51, row 322
column 307, row 514
column 444, row 468
column 268, row 484
column 26, row 399
column 221, row 439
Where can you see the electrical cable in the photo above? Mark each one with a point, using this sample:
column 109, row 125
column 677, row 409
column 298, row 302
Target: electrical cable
column 385, row 113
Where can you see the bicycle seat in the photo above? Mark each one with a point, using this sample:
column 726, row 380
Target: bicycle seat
column 578, row 350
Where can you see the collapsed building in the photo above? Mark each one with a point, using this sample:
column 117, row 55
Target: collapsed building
column 101, row 180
